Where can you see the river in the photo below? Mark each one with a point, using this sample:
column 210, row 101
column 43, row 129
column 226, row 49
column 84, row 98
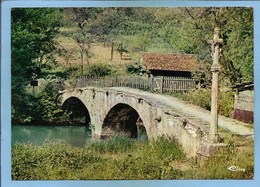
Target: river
column 38, row 135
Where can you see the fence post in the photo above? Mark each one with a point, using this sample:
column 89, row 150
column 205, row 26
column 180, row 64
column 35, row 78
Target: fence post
column 151, row 83
column 161, row 88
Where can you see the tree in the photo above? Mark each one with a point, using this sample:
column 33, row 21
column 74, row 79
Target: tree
column 121, row 49
column 82, row 17
column 141, row 41
column 108, row 25
column 84, row 40
column 188, row 29
column 32, row 37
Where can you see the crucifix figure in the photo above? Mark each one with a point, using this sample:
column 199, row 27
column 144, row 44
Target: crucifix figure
column 215, row 53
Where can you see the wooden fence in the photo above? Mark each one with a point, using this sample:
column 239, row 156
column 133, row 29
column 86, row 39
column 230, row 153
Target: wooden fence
column 160, row 84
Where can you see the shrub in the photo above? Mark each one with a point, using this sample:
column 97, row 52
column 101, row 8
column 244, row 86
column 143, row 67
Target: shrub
column 99, row 70
column 202, row 98
column 135, row 68
column 198, row 97
column 226, row 103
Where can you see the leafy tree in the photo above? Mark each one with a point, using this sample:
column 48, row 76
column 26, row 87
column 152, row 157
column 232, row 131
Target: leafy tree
column 237, row 31
column 80, row 16
column 48, row 105
column 121, row 49
column 108, row 25
column 141, row 41
column 83, row 36
column 32, row 38
column 187, row 30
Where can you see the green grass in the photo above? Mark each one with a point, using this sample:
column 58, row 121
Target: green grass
column 124, row 158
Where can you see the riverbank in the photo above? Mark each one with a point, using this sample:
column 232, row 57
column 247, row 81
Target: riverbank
column 123, row 158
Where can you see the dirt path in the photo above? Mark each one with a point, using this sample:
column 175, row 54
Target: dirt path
column 190, row 110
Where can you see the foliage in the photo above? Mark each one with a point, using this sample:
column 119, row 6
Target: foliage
column 226, row 103
column 42, row 107
column 49, row 110
column 99, row 70
column 121, row 49
column 84, row 41
column 141, row 41
column 117, row 158
column 135, row 68
column 236, row 26
column 184, row 30
column 32, row 38
column 202, row 98
column 122, row 158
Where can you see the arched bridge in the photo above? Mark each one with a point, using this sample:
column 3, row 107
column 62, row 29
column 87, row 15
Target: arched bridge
column 134, row 113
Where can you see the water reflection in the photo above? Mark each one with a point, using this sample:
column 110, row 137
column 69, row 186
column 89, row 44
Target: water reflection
column 38, row 135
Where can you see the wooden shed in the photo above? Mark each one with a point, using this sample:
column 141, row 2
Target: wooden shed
column 178, row 65
column 244, row 102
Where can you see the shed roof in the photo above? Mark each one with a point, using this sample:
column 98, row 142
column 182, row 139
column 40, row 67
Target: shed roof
column 171, row 62
column 243, row 86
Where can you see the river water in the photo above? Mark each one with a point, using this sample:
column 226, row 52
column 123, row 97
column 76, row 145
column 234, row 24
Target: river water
column 38, row 135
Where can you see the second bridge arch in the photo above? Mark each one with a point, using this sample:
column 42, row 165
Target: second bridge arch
column 122, row 119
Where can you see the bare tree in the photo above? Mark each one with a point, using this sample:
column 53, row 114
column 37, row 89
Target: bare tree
column 84, row 41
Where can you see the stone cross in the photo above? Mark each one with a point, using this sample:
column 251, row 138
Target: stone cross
column 215, row 53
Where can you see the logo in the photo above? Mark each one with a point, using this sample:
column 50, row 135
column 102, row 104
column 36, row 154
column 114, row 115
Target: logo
column 236, row 168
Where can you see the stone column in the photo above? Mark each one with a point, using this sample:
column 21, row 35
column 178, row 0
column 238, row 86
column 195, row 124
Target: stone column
column 215, row 49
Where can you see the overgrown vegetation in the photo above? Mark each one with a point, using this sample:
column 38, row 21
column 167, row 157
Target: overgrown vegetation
column 32, row 53
column 43, row 106
column 124, row 158
column 202, row 98
column 135, row 68
column 99, row 70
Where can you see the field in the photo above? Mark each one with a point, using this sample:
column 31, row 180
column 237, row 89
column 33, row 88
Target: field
column 101, row 52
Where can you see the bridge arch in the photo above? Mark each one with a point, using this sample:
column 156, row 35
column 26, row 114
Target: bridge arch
column 78, row 112
column 124, row 119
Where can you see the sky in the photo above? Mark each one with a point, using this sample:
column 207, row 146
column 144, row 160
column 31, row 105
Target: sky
column 6, row 93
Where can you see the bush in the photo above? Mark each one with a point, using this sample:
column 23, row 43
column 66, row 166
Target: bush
column 99, row 70
column 135, row 68
column 226, row 103
column 202, row 98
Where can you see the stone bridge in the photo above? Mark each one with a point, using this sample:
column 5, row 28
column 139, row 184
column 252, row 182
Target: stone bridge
column 134, row 113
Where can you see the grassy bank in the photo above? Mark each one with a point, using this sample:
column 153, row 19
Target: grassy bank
column 123, row 158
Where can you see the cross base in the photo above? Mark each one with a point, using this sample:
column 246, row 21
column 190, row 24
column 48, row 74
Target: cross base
column 214, row 138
